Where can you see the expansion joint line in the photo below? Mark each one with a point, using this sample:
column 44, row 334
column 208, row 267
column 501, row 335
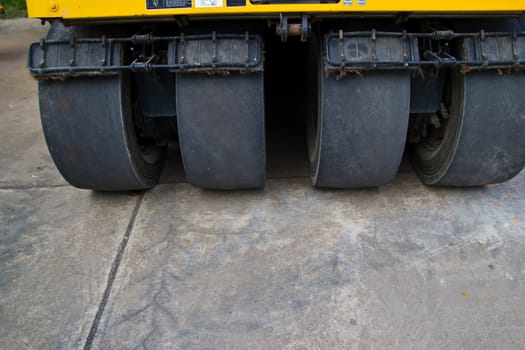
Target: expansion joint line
column 113, row 274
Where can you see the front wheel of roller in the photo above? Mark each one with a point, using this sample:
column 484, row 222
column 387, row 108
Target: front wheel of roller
column 221, row 129
column 89, row 128
column 482, row 138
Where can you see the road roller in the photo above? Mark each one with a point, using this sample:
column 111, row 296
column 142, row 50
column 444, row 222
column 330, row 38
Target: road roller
column 440, row 82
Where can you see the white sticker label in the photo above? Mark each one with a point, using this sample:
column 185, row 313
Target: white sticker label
column 348, row 2
column 361, row 2
column 208, row 3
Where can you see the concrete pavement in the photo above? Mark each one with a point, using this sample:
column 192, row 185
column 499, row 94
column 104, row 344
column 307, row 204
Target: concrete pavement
column 402, row 266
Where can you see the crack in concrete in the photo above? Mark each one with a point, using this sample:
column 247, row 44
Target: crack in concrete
column 31, row 187
column 113, row 274
column 35, row 187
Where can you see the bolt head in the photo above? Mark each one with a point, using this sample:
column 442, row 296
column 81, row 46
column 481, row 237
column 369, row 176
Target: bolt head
column 53, row 6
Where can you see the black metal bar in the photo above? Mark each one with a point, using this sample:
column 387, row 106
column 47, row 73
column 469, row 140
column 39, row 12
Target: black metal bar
column 480, row 55
column 146, row 60
column 247, row 48
column 341, row 49
column 42, row 62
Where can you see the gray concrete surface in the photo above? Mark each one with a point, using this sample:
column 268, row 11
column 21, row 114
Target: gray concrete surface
column 403, row 266
column 56, row 250
column 24, row 159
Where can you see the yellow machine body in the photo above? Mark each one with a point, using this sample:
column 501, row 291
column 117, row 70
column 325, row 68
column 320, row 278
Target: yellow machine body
column 129, row 9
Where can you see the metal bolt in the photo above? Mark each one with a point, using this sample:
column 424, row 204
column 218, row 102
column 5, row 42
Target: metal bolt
column 53, row 6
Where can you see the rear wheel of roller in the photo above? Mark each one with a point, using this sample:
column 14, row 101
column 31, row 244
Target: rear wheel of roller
column 89, row 127
column 221, row 129
column 481, row 138
column 357, row 132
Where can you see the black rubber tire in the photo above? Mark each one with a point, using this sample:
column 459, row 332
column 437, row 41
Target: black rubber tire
column 89, row 128
column 221, row 129
column 484, row 141
column 357, row 136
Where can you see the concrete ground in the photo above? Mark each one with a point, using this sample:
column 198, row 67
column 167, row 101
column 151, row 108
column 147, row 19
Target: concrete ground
column 402, row 266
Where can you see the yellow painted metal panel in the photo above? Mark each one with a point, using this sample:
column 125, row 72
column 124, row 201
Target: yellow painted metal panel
column 80, row 9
